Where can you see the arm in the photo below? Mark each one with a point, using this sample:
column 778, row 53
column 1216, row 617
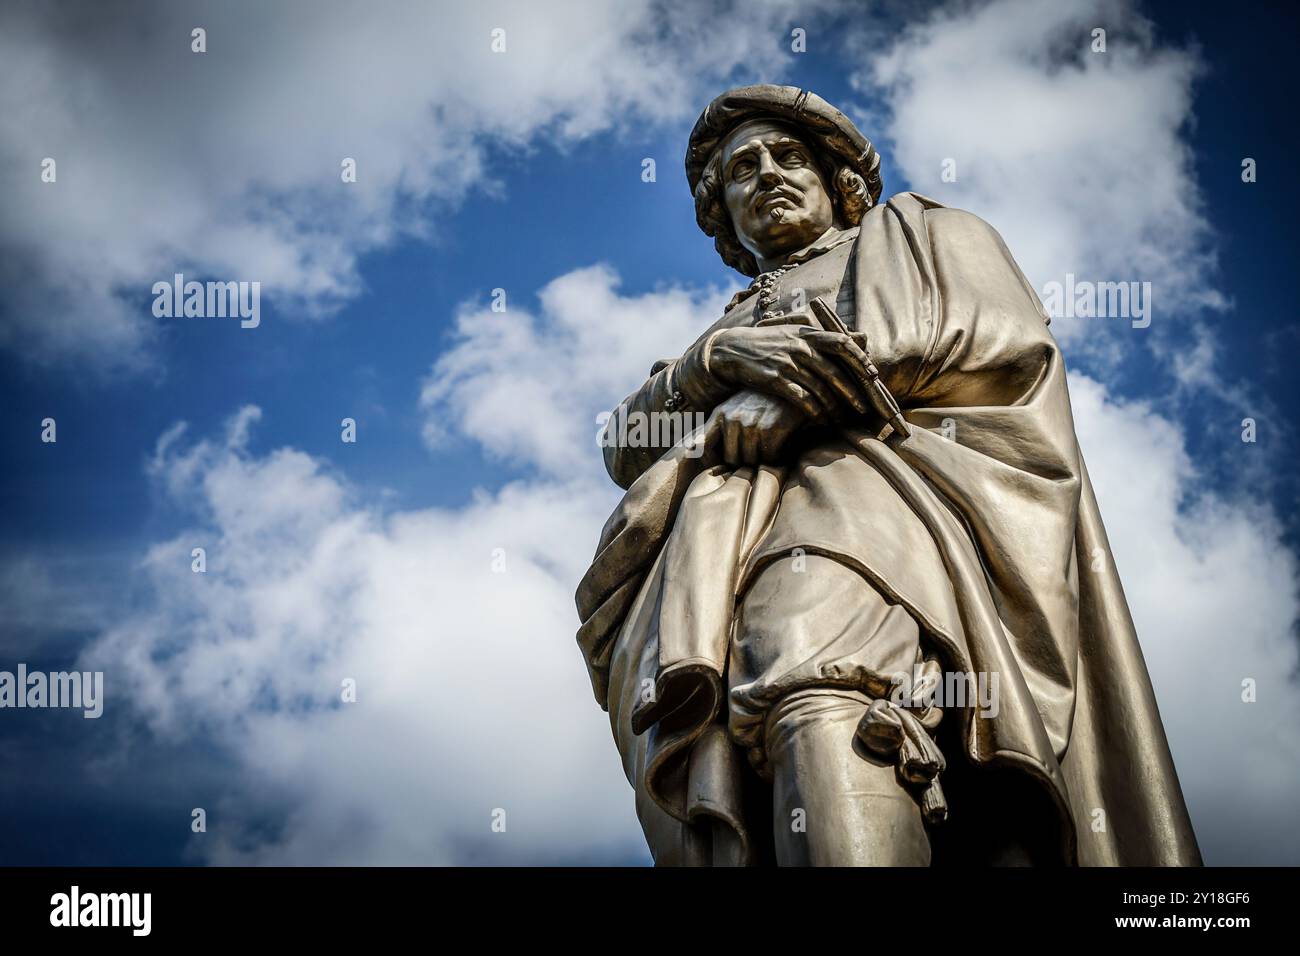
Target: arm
column 684, row 386
column 790, row 363
column 990, row 345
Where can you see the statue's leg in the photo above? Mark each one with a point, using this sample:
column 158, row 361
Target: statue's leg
column 832, row 805
column 813, row 639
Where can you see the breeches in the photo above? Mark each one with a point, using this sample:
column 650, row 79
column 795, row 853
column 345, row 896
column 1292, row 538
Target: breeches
column 814, row 642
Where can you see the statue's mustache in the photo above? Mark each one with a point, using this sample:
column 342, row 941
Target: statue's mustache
column 777, row 192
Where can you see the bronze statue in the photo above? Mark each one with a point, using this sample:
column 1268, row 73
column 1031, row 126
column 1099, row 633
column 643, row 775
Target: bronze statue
column 865, row 614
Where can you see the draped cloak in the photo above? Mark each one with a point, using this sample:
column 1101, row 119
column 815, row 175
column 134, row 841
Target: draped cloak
column 981, row 522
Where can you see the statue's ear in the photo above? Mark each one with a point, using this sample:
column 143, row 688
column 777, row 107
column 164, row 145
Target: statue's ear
column 851, row 196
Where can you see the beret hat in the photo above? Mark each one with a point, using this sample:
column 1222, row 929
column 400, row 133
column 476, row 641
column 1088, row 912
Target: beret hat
column 831, row 129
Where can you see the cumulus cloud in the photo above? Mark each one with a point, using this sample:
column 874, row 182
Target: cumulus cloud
column 1080, row 159
column 529, row 387
column 227, row 164
column 1212, row 587
column 457, row 625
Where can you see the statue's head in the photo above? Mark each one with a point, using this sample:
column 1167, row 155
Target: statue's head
column 774, row 167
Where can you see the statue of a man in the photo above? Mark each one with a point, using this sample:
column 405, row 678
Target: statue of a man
column 866, row 613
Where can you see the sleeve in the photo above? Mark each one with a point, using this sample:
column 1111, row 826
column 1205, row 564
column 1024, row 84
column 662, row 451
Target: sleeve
column 647, row 422
column 989, row 343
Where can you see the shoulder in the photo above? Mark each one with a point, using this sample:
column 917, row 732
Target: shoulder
column 950, row 233
column 967, row 250
column 947, row 222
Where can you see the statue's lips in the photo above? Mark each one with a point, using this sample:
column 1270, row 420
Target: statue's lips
column 771, row 202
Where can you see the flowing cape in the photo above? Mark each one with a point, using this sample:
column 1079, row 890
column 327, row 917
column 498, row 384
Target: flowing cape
column 992, row 475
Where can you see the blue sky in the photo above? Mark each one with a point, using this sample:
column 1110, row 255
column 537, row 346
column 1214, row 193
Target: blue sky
column 526, row 199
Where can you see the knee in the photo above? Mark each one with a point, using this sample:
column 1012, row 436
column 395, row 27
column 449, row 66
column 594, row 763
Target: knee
column 816, row 718
column 834, row 804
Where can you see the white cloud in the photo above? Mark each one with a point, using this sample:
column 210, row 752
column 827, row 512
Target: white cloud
column 1078, row 158
column 472, row 692
column 227, row 163
column 1213, row 591
column 529, row 388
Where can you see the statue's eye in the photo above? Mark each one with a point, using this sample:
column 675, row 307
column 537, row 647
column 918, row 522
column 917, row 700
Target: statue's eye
column 742, row 169
column 793, row 157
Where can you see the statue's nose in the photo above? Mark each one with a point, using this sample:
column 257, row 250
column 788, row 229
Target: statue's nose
column 768, row 174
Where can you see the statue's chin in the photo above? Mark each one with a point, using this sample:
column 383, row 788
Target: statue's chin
column 783, row 238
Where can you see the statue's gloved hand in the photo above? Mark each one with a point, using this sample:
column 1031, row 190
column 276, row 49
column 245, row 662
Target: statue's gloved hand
column 793, row 362
column 755, row 427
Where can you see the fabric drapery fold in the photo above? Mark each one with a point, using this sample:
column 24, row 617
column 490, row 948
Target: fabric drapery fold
column 990, row 493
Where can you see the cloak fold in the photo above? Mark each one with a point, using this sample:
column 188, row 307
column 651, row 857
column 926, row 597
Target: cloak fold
column 1015, row 577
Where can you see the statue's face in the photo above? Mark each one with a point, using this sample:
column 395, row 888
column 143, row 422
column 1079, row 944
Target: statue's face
column 775, row 192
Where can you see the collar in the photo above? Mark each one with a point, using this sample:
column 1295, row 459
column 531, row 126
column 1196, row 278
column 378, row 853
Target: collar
column 829, row 241
column 836, row 238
